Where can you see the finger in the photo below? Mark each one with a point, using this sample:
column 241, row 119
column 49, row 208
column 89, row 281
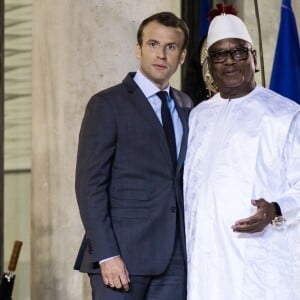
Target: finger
column 127, row 275
column 247, row 228
column 242, row 225
column 109, row 281
column 258, row 202
column 104, row 278
column 247, row 221
column 107, row 270
column 117, row 283
column 124, row 278
column 126, row 287
column 260, row 216
column 257, row 224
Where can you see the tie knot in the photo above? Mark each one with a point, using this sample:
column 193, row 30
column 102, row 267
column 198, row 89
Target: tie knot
column 163, row 95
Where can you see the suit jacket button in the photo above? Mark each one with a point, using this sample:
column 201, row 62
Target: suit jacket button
column 173, row 209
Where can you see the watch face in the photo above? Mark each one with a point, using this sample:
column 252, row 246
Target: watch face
column 209, row 82
column 278, row 221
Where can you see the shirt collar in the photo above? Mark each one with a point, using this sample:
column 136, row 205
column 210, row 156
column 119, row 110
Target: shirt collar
column 146, row 85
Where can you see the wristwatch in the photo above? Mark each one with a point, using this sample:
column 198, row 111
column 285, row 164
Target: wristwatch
column 279, row 219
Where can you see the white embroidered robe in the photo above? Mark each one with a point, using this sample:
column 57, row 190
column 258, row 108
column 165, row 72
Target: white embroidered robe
column 242, row 149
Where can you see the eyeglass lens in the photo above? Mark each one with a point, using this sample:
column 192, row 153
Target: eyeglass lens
column 236, row 54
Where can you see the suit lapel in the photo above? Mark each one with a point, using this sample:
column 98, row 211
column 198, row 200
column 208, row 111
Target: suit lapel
column 146, row 111
column 183, row 115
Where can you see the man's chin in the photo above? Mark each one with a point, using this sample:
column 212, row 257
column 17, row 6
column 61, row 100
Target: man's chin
column 233, row 83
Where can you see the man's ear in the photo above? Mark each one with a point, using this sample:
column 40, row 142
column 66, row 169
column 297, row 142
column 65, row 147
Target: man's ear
column 254, row 57
column 182, row 56
column 138, row 51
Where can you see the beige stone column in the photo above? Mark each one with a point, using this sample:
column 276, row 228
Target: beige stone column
column 79, row 47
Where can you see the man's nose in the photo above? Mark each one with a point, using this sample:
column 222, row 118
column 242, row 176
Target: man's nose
column 229, row 57
column 161, row 52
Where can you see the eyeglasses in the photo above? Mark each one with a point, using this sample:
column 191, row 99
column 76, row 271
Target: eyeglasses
column 237, row 54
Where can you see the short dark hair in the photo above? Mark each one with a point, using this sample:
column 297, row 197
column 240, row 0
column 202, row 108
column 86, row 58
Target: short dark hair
column 167, row 19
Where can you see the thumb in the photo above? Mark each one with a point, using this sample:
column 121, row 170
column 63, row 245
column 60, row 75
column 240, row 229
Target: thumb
column 259, row 202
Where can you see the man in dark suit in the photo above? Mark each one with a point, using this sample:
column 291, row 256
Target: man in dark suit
column 129, row 174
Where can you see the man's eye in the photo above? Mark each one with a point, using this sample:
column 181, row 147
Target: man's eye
column 172, row 47
column 152, row 44
column 218, row 55
column 237, row 52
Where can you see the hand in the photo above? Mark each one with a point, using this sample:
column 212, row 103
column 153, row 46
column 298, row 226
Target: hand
column 256, row 223
column 114, row 273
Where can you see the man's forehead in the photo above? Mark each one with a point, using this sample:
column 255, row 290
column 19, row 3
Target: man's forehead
column 228, row 43
column 155, row 31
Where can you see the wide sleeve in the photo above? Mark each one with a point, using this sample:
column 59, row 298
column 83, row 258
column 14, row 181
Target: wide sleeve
column 289, row 201
column 97, row 143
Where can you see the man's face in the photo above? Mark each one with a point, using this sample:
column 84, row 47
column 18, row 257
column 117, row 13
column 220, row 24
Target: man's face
column 160, row 53
column 235, row 75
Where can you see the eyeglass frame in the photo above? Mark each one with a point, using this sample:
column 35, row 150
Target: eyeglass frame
column 230, row 51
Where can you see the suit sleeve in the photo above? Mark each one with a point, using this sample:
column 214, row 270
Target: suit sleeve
column 97, row 143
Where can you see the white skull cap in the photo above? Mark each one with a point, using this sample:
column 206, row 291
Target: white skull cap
column 226, row 27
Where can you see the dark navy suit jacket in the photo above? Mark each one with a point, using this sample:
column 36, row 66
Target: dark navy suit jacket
column 128, row 195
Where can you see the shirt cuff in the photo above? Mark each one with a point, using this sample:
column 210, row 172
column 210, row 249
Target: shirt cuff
column 106, row 259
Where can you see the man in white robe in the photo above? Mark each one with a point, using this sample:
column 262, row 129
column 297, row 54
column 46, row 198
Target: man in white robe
column 242, row 180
